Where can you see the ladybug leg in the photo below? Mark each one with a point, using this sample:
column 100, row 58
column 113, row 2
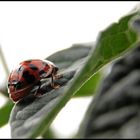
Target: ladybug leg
column 55, row 86
column 37, row 92
column 54, row 73
column 53, row 77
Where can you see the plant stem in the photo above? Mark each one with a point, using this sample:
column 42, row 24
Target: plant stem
column 4, row 62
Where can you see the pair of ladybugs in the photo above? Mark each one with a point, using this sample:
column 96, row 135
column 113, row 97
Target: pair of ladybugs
column 28, row 74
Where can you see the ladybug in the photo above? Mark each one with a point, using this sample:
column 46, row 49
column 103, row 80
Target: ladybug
column 28, row 74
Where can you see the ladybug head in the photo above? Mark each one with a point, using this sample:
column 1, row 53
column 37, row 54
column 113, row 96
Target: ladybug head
column 20, row 82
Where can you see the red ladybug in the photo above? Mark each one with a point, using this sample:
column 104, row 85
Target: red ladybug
column 27, row 74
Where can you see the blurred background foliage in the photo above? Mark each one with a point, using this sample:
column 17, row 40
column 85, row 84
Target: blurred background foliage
column 6, row 108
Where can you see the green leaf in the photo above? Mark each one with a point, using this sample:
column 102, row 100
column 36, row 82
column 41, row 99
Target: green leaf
column 5, row 111
column 30, row 118
column 89, row 88
column 27, row 114
column 49, row 134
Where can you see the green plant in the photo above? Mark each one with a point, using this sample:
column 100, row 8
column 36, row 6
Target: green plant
column 80, row 67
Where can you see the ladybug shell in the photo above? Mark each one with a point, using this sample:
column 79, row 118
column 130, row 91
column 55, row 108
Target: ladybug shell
column 26, row 75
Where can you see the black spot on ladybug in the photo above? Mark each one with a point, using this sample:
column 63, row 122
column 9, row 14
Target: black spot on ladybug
column 28, row 77
column 33, row 67
column 31, row 79
column 18, row 85
column 25, row 74
column 41, row 72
